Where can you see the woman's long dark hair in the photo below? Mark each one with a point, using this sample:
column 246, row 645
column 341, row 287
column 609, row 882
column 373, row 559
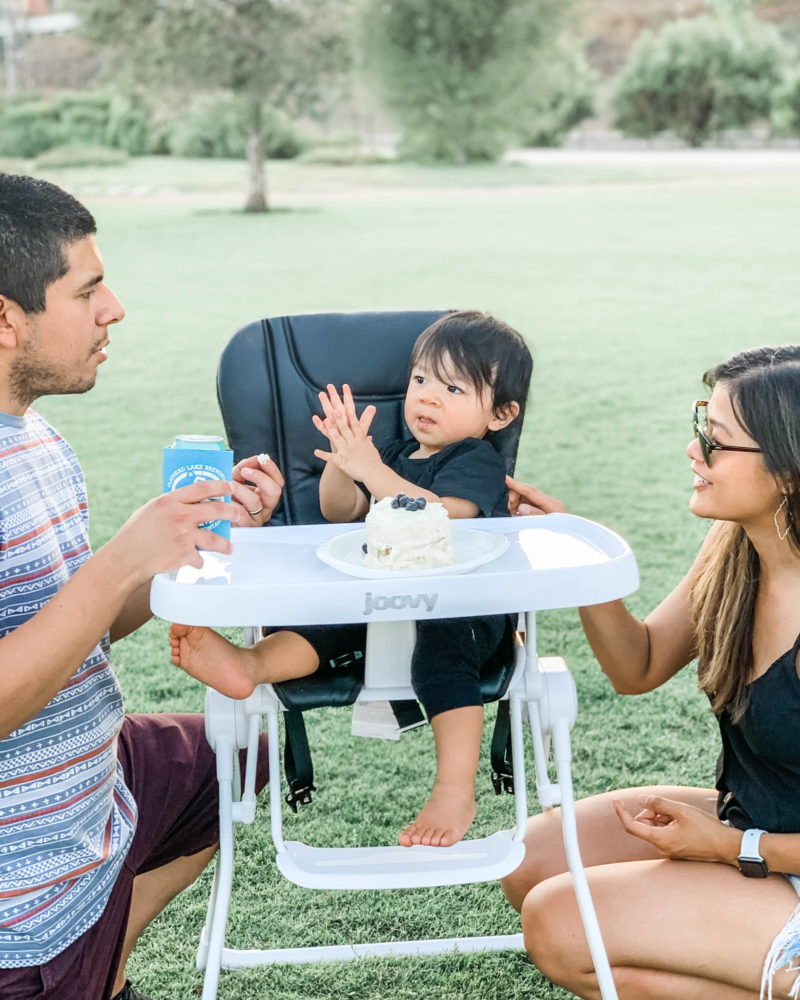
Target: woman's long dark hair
column 764, row 389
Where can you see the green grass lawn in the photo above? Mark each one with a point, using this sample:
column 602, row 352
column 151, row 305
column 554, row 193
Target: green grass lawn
column 627, row 284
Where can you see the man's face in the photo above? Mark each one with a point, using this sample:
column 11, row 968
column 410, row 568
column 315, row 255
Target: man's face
column 61, row 348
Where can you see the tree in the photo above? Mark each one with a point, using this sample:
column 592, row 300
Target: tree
column 697, row 77
column 458, row 73
column 285, row 53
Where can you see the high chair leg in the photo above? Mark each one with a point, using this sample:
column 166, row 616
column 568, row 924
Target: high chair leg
column 563, row 757
column 223, row 878
column 551, row 712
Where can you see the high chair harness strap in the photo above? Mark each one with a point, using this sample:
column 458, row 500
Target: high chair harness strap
column 297, row 761
column 502, row 766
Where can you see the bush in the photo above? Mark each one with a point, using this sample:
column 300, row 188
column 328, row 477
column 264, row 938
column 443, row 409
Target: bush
column 562, row 98
column 698, row 77
column 457, row 72
column 785, row 116
column 28, row 127
column 217, row 127
column 213, row 126
column 77, row 155
column 84, row 118
column 345, row 151
column 127, row 127
column 31, row 125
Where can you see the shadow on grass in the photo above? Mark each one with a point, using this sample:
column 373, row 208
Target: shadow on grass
column 295, row 210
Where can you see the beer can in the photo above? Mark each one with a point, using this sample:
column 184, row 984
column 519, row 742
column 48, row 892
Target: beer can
column 193, row 458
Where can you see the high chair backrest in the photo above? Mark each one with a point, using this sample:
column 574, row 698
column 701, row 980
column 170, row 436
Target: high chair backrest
column 272, row 370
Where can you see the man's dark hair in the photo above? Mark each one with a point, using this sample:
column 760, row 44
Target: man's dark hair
column 38, row 222
column 484, row 350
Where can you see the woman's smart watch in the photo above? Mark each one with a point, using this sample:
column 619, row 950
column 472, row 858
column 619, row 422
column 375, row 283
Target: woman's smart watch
column 751, row 863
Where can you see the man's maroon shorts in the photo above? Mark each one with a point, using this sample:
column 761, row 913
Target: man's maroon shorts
column 171, row 771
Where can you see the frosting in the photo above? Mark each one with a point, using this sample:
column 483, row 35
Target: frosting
column 415, row 535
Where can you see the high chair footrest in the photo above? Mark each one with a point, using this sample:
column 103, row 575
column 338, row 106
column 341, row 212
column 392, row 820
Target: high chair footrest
column 396, row 867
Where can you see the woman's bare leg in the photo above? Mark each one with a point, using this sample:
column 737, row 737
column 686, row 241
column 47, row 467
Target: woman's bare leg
column 601, row 836
column 673, row 930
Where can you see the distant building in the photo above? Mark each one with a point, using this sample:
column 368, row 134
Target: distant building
column 35, row 17
column 42, row 49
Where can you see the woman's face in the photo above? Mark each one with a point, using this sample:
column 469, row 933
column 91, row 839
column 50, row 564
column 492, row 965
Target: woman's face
column 736, row 486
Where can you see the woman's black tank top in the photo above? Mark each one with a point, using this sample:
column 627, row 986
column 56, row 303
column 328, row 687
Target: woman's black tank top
column 758, row 772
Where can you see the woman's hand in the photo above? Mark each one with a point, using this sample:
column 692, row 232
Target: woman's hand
column 677, row 830
column 257, row 488
column 526, row 499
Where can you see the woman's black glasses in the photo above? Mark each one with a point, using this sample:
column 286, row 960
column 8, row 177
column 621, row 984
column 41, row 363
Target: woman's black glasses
column 706, row 444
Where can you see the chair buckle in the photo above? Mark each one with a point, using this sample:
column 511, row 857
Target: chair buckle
column 502, row 781
column 299, row 796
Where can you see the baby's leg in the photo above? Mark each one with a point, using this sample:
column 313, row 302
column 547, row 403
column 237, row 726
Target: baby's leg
column 236, row 670
column 450, row 810
column 445, row 672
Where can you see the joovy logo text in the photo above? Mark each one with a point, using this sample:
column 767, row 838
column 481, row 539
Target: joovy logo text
column 398, row 602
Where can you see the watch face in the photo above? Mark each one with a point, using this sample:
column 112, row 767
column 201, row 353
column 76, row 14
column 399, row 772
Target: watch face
column 752, row 868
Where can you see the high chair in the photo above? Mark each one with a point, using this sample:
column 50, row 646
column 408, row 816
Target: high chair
column 268, row 380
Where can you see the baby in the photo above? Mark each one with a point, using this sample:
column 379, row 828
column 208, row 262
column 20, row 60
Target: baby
column 468, row 376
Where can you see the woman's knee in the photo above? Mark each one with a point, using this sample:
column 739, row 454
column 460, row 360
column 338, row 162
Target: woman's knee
column 544, row 857
column 553, row 933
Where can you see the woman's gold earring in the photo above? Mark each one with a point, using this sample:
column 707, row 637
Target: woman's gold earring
column 784, row 503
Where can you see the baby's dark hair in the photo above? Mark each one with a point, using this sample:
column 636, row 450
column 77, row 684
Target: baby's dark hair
column 482, row 349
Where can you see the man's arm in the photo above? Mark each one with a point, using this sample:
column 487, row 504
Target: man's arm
column 38, row 658
column 134, row 613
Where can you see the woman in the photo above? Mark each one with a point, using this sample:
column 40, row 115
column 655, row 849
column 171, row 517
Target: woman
column 685, row 883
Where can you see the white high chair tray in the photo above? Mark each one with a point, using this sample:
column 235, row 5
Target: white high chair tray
column 473, row 548
column 275, row 576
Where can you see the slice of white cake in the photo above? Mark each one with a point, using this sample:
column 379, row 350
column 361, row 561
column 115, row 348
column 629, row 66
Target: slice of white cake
column 403, row 533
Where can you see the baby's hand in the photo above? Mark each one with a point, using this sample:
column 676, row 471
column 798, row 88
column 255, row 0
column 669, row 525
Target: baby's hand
column 352, row 449
column 340, row 414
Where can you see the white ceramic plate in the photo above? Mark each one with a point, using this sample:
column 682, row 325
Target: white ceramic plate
column 473, row 548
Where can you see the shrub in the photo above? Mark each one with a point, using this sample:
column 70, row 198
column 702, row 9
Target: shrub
column 697, row 77
column 561, row 98
column 785, row 116
column 127, row 127
column 78, row 155
column 29, row 127
column 84, row 118
column 32, row 125
column 344, row 151
column 217, row 127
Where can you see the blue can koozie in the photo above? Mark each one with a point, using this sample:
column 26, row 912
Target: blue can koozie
column 193, row 458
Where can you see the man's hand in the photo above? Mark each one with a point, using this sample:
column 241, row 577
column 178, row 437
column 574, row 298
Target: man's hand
column 165, row 534
column 677, row 830
column 352, row 449
column 257, row 488
column 526, row 499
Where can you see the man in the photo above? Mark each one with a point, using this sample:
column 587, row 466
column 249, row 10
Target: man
column 96, row 834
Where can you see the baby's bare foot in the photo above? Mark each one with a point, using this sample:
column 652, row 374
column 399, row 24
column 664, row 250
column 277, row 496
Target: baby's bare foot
column 443, row 820
column 210, row 658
